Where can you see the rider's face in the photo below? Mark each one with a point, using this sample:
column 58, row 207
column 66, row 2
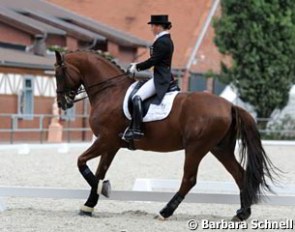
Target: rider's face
column 156, row 29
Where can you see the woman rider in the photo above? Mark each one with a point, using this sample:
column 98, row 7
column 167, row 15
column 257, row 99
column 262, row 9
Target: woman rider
column 160, row 58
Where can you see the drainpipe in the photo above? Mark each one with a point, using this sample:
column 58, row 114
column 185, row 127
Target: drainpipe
column 39, row 47
column 185, row 81
column 93, row 44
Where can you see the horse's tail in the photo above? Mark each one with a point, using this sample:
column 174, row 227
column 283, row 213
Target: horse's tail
column 253, row 158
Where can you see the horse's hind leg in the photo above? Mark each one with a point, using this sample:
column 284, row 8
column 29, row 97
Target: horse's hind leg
column 193, row 156
column 229, row 161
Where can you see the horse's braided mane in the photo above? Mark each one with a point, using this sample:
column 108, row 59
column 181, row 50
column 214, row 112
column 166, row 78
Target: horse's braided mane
column 105, row 55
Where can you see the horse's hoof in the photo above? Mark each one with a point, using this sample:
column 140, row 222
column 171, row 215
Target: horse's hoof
column 83, row 213
column 160, row 217
column 105, row 189
column 236, row 219
column 242, row 214
column 86, row 211
column 166, row 212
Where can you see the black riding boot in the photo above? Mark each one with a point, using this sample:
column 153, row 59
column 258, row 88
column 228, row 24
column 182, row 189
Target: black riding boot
column 135, row 132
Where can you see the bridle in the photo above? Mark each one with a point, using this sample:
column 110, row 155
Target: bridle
column 101, row 85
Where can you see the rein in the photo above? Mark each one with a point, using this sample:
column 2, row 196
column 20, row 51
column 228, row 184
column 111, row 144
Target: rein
column 83, row 90
column 102, row 82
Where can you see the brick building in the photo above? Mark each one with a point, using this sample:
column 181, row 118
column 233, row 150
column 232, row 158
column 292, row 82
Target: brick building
column 188, row 18
column 27, row 84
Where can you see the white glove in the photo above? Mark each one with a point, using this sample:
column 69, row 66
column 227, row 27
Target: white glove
column 132, row 68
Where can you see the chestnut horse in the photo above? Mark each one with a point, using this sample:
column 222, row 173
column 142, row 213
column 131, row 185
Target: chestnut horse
column 198, row 123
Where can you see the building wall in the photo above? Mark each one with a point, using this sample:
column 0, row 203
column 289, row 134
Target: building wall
column 71, row 43
column 208, row 57
column 56, row 40
column 11, row 118
column 6, row 70
column 11, row 35
column 187, row 19
column 11, row 85
column 113, row 49
column 127, row 54
column 79, row 122
column 42, row 118
column 44, row 91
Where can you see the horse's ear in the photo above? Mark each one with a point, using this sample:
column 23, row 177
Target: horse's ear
column 58, row 57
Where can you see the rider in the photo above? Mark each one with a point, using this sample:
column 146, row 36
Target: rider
column 160, row 58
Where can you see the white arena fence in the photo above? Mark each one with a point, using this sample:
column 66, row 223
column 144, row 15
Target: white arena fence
column 25, row 148
column 155, row 190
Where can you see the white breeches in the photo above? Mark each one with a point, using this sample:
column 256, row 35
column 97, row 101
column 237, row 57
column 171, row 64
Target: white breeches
column 147, row 90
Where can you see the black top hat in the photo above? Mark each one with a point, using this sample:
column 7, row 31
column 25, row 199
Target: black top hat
column 159, row 19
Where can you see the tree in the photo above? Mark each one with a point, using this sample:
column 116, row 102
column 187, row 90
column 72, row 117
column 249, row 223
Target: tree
column 259, row 35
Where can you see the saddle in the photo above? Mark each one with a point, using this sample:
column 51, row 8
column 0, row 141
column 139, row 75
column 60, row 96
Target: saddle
column 151, row 112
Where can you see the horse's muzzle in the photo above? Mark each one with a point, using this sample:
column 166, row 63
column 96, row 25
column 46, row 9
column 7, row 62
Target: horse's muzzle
column 59, row 104
column 66, row 101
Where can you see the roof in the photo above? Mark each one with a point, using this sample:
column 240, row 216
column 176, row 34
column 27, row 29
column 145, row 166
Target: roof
column 14, row 58
column 67, row 19
column 131, row 16
column 112, row 34
column 71, row 29
column 25, row 23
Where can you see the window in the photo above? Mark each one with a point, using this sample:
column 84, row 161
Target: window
column 26, row 99
column 198, row 82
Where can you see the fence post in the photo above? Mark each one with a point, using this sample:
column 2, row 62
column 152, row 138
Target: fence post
column 41, row 118
column 2, row 205
column 12, row 128
column 55, row 129
column 68, row 131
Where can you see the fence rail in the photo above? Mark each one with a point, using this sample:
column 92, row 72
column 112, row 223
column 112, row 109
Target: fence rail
column 12, row 124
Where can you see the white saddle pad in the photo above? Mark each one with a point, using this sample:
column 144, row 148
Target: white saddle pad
column 155, row 112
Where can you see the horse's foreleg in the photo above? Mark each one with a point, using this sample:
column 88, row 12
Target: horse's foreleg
column 104, row 164
column 191, row 164
column 95, row 150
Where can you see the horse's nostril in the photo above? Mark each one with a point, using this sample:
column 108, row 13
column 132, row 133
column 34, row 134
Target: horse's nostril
column 59, row 105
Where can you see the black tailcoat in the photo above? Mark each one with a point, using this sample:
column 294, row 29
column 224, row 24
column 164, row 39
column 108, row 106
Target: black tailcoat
column 160, row 57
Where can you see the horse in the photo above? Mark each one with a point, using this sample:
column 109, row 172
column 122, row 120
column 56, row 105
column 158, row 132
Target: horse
column 198, row 123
